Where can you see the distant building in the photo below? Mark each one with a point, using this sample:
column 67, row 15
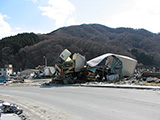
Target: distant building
column 6, row 71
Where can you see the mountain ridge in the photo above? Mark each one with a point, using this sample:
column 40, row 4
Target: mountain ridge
column 90, row 40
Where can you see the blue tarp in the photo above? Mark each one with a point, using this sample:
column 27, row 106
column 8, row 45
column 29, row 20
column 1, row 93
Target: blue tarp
column 3, row 79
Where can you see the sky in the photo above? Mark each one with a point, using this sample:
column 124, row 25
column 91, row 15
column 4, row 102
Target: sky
column 45, row 16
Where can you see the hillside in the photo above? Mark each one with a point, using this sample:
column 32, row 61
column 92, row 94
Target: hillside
column 90, row 40
column 10, row 47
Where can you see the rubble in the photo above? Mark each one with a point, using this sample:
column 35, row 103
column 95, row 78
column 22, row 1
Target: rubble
column 107, row 68
column 73, row 68
column 8, row 108
column 44, row 71
column 151, row 74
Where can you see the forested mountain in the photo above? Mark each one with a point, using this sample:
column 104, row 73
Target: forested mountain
column 10, row 47
column 27, row 50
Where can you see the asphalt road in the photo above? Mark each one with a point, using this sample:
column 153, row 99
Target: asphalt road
column 95, row 103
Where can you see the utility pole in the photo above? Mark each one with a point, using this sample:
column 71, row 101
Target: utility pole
column 45, row 60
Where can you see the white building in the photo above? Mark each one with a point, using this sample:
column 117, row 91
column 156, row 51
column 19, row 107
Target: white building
column 6, row 71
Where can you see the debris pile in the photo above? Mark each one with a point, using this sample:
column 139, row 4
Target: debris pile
column 8, row 108
column 150, row 77
column 142, row 77
column 73, row 68
column 107, row 68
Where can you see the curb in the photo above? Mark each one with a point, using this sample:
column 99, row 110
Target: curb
column 122, row 86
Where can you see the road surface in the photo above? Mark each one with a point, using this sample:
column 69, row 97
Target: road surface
column 94, row 103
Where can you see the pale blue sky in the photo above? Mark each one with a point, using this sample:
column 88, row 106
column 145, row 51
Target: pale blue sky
column 44, row 16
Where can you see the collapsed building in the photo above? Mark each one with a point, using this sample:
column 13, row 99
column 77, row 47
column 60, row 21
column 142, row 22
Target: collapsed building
column 113, row 64
column 72, row 68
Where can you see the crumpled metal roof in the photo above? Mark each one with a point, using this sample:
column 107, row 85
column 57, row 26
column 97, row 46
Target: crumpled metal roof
column 129, row 64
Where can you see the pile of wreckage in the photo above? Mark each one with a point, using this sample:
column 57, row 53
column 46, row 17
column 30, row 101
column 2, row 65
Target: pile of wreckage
column 148, row 78
column 73, row 68
column 44, row 71
column 142, row 76
column 8, row 108
column 10, row 80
